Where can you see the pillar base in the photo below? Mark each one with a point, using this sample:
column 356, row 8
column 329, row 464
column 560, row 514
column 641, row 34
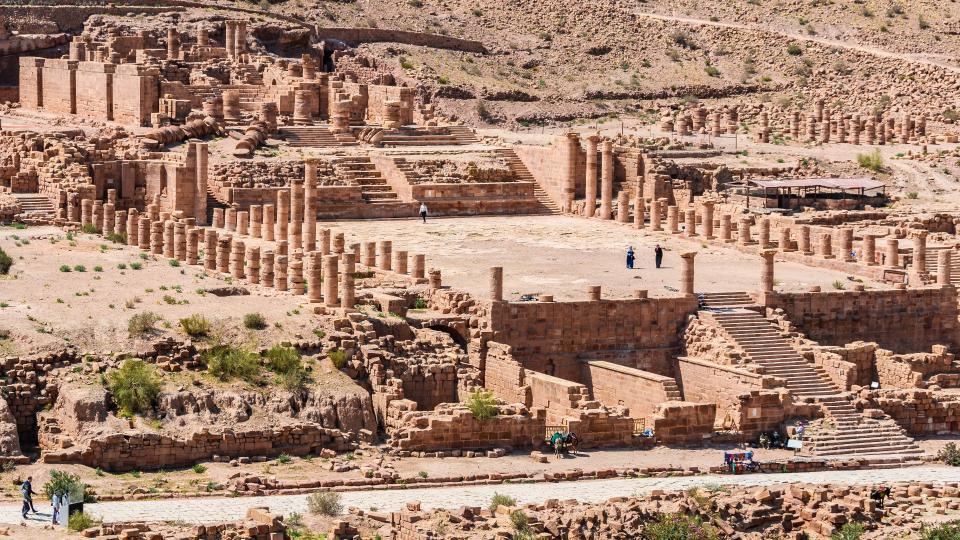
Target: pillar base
column 828, row 256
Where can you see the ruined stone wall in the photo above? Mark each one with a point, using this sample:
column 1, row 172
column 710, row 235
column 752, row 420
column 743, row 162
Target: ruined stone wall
column 377, row 35
column 681, row 422
column 704, row 381
column 551, row 166
column 377, row 97
column 549, row 336
column 906, row 320
column 504, row 375
column 919, row 412
column 851, row 364
column 640, row 391
column 136, row 94
column 59, row 86
column 31, row 82
column 912, row 370
column 453, row 426
column 560, row 397
column 94, row 91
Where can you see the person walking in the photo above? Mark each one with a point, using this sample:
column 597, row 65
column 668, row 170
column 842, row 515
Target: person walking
column 423, row 212
column 658, row 254
column 630, row 257
column 26, row 489
column 55, row 503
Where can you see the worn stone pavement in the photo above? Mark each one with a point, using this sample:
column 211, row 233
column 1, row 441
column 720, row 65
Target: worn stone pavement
column 209, row 510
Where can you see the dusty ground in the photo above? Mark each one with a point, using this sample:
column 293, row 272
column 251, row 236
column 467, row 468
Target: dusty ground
column 564, row 255
column 43, row 307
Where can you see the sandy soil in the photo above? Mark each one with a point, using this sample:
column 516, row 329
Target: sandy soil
column 45, row 308
column 564, row 255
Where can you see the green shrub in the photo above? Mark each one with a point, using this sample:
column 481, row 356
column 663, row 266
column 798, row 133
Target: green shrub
column 6, row 262
column 199, row 468
column 195, row 325
column 81, row 521
column 135, row 266
column 141, row 323
column 135, row 386
column 944, row 531
column 79, row 268
column 62, row 482
column 98, row 268
column 499, row 499
column 90, row 229
column 64, row 267
column 338, row 357
column 872, row 161
column 227, row 362
column 794, row 50
column 254, row 321
column 283, row 459
column 679, row 527
column 520, row 522
column 950, row 454
column 117, row 238
column 174, row 263
column 838, row 285
column 712, row 71
column 849, row 531
column 912, row 195
column 324, row 503
column 282, row 359
column 482, row 404
column 420, row 304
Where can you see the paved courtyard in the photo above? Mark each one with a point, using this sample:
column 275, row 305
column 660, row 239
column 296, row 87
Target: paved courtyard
column 562, row 256
column 209, row 510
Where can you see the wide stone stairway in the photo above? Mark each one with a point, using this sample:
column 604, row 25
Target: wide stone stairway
column 843, row 431
column 35, row 204
column 360, row 171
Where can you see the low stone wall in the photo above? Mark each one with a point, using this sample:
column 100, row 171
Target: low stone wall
column 708, row 382
column 504, row 376
column 919, row 412
column 913, row 370
column 640, row 391
column 453, row 426
column 138, row 450
column 561, row 398
column 903, row 321
column 684, row 423
column 359, row 35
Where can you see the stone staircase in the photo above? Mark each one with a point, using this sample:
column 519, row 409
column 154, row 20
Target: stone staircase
column 522, row 174
column 35, row 204
column 464, row 134
column 315, row 137
column 417, row 137
column 727, row 300
column 359, row 170
column 844, row 431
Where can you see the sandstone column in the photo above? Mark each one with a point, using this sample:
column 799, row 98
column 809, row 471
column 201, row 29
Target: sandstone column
column 347, row 290
column 200, row 195
column 743, row 233
column 237, row 252
column 623, row 207
column 868, row 251
column 785, row 243
column 708, row 219
column 386, row 246
column 419, row 262
column 133, row 227
column 606, row 180
column 219, row 222
column 435, row 279
column 223, row 254
column 243, row 221
column 655, row 215
column 330, row 280
column 267, row 228
column 726, row 226
column 766, row 275
column 339, row 243
column 256, row 220
column 230, row 219
column 120, row 223
column 826, row 245
column 690, row 226
column 370, row 254
column 324, row 241
column 846, row 244
column 180, row 241
column 295, row 228
column 266, row 268
column 400, row 262
column 638, row 210
column 280, row 273
column 309, row 206
column 145, row 234
column 193, row 245
column 168, row 230
column 594, row 293
column 590, row 207
column 496, row 283
column 893, row 251
column 944, row 266
column 920, row 252
column 86, row 212
column 764, row 239
column 253, row 265
column 314, row 277
column 673, row 219
column 804, row 243
column 686, row 273
column 210, row 249
column 283, row 214
column 295, row 272
column 109, row 219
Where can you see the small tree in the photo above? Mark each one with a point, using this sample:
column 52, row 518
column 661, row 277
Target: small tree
column 944, row 531
column 849, row 531
column 254, row 321
column 324, row 503
column 63, row 483
column 950, row 454
column 6, row 262
column 482, row 404
column 499, row 499
column 195, row 325
column 227, row 362
column 134, row 386
column 679, row 527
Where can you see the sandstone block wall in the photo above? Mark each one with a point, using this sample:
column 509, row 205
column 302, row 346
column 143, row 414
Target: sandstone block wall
column 681, row 422
column 60, row 86
column 919, row 412
column 902, row 321
column 94, row 93
column 454, row 427
column 640, row 391
column 135, row 94
column 504, row 376
column 547, row 336
column 560, row 397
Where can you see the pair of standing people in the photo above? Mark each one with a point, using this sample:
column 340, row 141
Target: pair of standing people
column 26, row 489
column 657, row 254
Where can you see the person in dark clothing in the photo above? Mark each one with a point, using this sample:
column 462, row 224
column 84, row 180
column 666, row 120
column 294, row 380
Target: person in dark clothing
column 658, row 253
column 26, row 489
column 630, row 257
